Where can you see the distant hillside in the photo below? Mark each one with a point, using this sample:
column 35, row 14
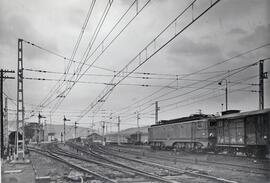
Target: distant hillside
column 129, row 131
column 81, row 131
column 70, row 133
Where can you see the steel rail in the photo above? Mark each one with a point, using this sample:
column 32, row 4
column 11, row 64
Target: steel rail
column 73, row 155
column 55, row 157
column 169, row 168
column 143, row 173
column 185, row 160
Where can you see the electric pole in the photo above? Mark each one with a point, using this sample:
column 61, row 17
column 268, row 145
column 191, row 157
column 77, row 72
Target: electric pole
column 61, row 137
column 226, row 92
column 45, row 131
column 65, row 119
column 138, row 133
column 2, row 77
column 6, row 123
column 262, row 76
column 39, row 127
column 103, row 128
column 118, row 134
column 156, row 112
column 75, row 128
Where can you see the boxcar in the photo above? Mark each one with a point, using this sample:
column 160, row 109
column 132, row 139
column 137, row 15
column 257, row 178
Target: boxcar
column 246, row 132
column 189, row 133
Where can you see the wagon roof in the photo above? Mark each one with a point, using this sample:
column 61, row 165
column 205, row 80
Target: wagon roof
column 249, row 113
column 184, row 119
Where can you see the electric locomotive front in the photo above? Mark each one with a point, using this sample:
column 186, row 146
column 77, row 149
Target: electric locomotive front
column 188, row 134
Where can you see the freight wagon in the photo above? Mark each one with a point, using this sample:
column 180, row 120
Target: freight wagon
column 246, row 132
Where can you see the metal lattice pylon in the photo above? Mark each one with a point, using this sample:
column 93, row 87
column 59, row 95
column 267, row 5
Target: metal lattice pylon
column 20, row 104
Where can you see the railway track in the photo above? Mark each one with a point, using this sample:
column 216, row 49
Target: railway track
column 103, row 154
column 135, row 174
column 230, row 166
column 148, row 148
column 51, row 155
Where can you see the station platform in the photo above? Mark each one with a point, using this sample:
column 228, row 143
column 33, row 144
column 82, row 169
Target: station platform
column 17, row 171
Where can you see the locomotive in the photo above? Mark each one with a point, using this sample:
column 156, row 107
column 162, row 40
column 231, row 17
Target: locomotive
column 246, row 132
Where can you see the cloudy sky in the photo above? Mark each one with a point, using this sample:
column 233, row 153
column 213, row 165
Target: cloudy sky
column 183, row 77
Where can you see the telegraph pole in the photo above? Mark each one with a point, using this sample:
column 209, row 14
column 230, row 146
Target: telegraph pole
column 118, row 134
column 39, row 127
column 75, row 128
column 65, row 119
column 262, row 76
column 156, row 112
column 138, row 134
column 45, row 131
column 226, row 92
column 106, row 125
column 2, row 117
column 103, row 128
column 6, row 122
column 2, row 77
column 61, row 137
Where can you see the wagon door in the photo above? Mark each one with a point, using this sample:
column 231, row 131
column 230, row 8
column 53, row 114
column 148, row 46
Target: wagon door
column 262, row 130
column 193, row 132
column 250, row 130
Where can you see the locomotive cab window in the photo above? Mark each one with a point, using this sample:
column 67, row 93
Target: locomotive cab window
column 213, row 123
column 200, row 124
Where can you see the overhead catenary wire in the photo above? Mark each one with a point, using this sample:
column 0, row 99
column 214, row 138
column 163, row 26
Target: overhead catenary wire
column 230, row 74
column 107, row 91
column 214, row 91
column 104, row 49
column 238, row 81
column 186, row 86
column 104, row 83
column 207, row 93
column 205, row 68
column 87, row 50
column 55, row 87
column 150, row 75
column 196, row 99
column 107, row 46
column 211, row 97
column 133, row 77
column 67, row 74
column 76, row 47
column 241, row 54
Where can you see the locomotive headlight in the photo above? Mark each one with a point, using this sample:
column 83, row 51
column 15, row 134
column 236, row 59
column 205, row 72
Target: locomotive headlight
column 265, row 137
column 203, row 133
